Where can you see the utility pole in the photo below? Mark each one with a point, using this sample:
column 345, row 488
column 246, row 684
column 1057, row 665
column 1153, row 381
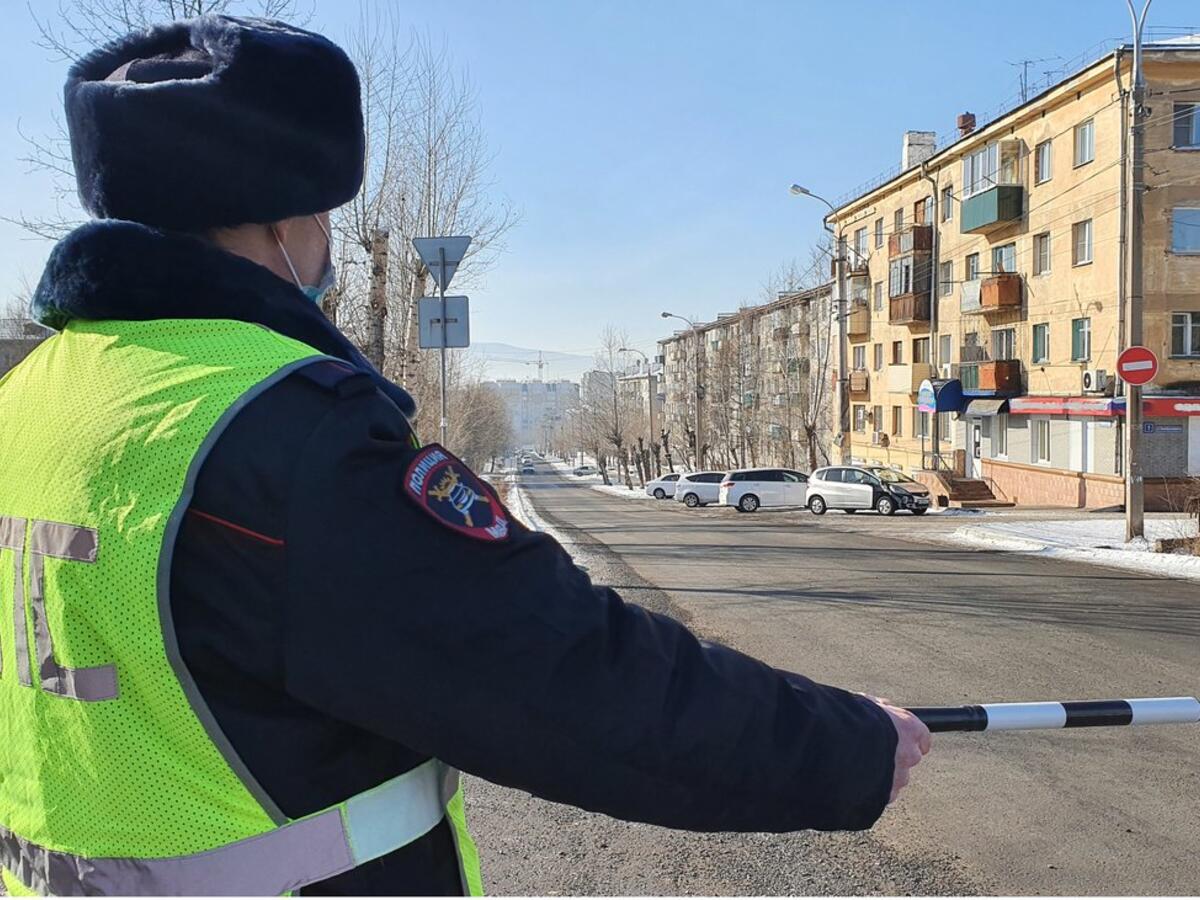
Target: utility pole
column 935, row 296
column 1135, row 498
column 840, row 304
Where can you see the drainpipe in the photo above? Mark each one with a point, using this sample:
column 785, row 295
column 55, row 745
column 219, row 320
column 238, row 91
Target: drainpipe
column 935, row 294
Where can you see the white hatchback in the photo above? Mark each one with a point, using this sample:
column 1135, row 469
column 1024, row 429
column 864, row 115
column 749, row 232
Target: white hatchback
column 699, row 488
column 748, row 489
column 662, row 487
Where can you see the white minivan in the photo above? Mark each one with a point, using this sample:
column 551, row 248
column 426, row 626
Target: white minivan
column 699, row 488
column 748, row 489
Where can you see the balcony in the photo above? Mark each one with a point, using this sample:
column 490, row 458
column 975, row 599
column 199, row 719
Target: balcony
column 908, row 309
column 913, row 239
column 859, row 319
column 781, row 333
column 1001, row 291
column 906, row 379
column 860, row 381
column 992, row 209
column 1000, row 377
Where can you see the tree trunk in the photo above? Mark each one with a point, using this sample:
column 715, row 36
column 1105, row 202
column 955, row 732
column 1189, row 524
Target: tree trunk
column 329, row 305
column 378, row 298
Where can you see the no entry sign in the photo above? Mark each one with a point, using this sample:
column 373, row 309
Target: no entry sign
column 1137, row 365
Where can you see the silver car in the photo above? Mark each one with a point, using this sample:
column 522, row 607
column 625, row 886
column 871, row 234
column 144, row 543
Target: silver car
column 662, row 487
column 852, row 488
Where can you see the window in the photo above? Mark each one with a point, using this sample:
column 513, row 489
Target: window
column 1043, row 165
column 879, row 232
column 877, row 418
column 1081, row 339
column 860, row 243
column 860, row 417
column 1081, row 243
column 878, row 357
column 1041, row 342
column 898, row 420
column 1041, row 440
column 1085, row 142
column 1185, row 229
column 946, row 278
column 1185, row 334
column 860, row 356
column 920, row 423
column 1041, row 253
column 1004, row 258
column 920, row 350
column 898, row 221
column 879, row 296
column 1000, row 436
column 971, row 273
column 1004, row 343
column 945, row 426
column 1187, row 125
column 897, row 353
column 945, row 350
column 997, row 163
column 927, row 211
column 900, row 272
column 948, row 203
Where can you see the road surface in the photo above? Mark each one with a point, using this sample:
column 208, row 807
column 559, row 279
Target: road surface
column 855, row 601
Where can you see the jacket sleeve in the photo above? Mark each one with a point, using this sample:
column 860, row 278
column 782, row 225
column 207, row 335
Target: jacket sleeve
column 502, row 659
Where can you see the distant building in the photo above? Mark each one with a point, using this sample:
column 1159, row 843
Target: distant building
column 18, row 337
column 535, row 408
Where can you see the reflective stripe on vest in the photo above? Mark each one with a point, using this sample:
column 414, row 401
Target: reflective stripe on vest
column 365, row 827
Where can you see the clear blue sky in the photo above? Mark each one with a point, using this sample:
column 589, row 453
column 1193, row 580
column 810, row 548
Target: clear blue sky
column 649, row 146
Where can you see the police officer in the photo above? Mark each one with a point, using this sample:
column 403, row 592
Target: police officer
column 250, row 630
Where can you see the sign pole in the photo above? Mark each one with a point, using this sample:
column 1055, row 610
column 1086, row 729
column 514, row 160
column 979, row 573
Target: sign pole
column 442, row 299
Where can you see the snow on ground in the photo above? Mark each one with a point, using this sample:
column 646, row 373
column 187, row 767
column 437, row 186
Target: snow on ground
column 1097, row 540
column 596, row 483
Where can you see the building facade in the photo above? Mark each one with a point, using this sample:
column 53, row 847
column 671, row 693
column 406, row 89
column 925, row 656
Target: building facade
column 18, row 337
column 536, row 408
column 760, row 377
column 993, row 274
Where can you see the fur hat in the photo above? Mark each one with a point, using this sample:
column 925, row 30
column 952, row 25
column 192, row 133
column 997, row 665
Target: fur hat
column 215, row 121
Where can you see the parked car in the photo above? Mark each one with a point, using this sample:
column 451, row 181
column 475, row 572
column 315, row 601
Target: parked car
column 662, row 487
column 527, row 470
column 584, row 470
column 748, row 489
column 852, row 488
column 699, row 488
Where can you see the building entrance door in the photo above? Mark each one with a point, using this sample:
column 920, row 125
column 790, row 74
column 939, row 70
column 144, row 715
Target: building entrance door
column 974, row 448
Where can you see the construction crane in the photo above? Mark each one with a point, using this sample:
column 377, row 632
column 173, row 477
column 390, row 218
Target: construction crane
column 540, row 363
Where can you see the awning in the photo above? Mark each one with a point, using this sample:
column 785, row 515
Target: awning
column 989, row 407
column 940, row 395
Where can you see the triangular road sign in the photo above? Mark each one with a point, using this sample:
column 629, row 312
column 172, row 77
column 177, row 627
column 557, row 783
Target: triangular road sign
column 430, row 251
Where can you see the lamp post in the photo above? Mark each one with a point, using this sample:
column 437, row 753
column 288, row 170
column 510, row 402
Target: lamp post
column 1135, row 496
column 699, row 440
column 840, row 261
column 650, row 392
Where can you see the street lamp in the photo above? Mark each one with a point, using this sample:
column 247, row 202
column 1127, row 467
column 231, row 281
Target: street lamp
column 696, row 331
column 650, row 391
column 840, row 261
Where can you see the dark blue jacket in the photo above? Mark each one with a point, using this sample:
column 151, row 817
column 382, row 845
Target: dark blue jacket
column 341, row 635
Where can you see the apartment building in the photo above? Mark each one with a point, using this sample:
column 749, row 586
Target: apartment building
column 763, row 381
column 988, row 290
column 18, row 338
column 536, row 408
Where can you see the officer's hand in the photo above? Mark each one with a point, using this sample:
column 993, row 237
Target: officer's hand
column 913, row 744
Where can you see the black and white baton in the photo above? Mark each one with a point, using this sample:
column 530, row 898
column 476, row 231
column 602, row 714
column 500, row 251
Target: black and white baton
column 1068, row 714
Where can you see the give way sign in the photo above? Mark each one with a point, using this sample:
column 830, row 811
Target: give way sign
column 1137, row 365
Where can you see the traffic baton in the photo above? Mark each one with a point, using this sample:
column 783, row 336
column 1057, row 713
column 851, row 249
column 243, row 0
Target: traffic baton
column 1067, row 714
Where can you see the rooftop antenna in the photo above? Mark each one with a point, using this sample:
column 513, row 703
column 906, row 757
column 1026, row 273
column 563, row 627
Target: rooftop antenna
column 1024, row 65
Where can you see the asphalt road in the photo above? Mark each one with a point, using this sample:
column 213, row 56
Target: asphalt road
column 860, row 602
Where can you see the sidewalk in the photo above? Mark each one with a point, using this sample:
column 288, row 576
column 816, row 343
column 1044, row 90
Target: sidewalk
column 1097, row 540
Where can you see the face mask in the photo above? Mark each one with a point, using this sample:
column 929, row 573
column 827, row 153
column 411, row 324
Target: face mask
column 314, row 292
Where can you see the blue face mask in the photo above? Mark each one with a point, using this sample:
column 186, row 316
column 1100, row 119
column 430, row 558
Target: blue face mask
column 314, row 292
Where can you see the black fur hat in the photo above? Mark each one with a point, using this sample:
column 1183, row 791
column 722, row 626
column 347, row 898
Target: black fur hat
column 215, row 121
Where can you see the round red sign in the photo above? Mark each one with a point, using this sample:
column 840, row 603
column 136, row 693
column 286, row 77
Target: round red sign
column 1137, row 365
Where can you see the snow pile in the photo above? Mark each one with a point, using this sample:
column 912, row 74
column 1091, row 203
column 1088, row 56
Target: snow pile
column 596, row 483
column 1096, row 540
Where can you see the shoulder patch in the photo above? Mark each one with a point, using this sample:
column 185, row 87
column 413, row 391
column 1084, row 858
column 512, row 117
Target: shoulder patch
column 442, row 485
